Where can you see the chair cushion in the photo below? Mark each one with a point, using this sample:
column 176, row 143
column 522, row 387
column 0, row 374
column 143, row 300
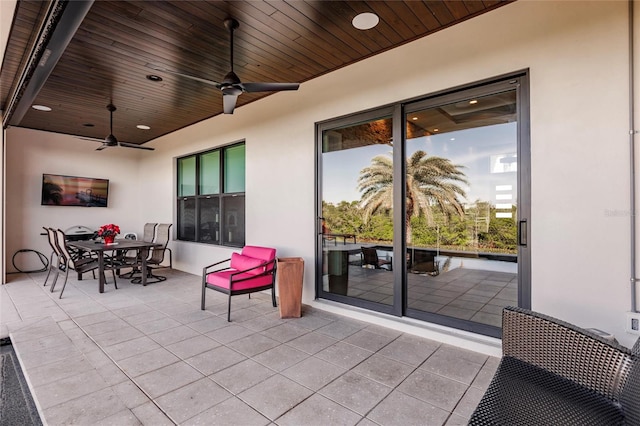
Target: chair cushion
column 223, row 278
column 241, row 262
column 264, row 253
column 523, row 394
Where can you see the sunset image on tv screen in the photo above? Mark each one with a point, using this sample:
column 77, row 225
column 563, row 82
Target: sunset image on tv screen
column 60, row 190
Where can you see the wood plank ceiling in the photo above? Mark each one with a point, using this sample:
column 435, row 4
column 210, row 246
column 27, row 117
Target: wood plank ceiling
column 118, row 42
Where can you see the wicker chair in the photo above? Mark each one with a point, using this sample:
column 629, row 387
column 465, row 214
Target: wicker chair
column 554, row 373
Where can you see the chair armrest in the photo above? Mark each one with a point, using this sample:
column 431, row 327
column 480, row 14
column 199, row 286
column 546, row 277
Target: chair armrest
column 565, row 350
column 205, row 269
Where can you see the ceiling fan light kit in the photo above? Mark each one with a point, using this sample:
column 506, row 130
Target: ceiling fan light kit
column 231, row 86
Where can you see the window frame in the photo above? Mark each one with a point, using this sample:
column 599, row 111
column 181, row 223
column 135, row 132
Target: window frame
column 198, row 236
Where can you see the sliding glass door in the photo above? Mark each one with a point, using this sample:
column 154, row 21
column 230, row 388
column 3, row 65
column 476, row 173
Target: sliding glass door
column 355, row 232
column 462, row 153
column 435, row 227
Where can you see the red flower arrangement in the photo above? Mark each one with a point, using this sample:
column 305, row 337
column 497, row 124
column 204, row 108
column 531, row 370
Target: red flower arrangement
column 109, row 230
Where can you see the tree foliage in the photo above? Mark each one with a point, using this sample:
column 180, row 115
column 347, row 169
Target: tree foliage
column 433, row 185
column 476, row 231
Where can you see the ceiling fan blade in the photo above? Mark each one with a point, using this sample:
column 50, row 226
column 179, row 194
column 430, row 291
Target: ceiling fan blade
column 132, row 145
column 229, row 103
column 100, row 148
column 269, row 87
column 85, row 138
column 201, row 80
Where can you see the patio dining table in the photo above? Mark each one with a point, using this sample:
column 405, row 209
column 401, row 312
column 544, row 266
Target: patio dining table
column 120, row 245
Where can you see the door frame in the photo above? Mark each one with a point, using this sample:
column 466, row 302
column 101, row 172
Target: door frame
column 519, row 80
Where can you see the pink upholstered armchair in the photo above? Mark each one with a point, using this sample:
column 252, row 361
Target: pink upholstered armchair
column 251, row 271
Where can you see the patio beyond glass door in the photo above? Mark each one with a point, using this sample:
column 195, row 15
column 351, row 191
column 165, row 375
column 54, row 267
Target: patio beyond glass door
column 435, row 226
column 462, row 208
column 356, row 230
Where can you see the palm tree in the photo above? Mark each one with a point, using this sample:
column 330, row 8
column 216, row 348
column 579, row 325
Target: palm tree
column 432, row 182
column 51, row 193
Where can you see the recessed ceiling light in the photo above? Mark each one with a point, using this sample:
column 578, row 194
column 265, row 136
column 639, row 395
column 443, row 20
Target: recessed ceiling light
column 41, row 107
column 365, row 21
column 153, row 77
column 414, row 118
column 473, row 101
column 436, row 130
column 143, row 127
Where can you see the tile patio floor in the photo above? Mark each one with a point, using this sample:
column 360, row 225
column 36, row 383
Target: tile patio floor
column 469, row 294
column 149, row 355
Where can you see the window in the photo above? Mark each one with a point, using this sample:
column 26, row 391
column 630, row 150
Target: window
column 210, row 188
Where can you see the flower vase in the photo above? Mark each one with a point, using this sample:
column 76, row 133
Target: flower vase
column 108, row 239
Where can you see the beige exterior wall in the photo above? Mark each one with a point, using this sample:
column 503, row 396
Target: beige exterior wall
column 31, row 153
column 577, row 55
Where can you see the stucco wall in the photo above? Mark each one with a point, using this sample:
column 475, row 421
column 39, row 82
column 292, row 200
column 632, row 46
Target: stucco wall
column 31, row 153
column 577, row 56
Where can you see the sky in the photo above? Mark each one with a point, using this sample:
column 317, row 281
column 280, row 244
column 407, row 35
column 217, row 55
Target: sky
column 479, row 150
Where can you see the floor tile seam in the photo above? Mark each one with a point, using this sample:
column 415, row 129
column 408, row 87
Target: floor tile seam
column 48, row 334
column 451, row 378
column 48, row 361
column 394, row 387
column 278, row 373
column 453, row 410
column 271, row 421
column 144, row 322
column 149, row 332
column 338, row 365
column 123, row 341
column 432, row 403
column 381, row 348
column 468, row 386
column 50, row 381
column 287, row 341
column 106, row 386
column 252, row 358
column 210, row 376
column 484, row 364
column 390, row 388
column 137, row 354
column 314, row 393
column 198, row 331
column 302, row 350
column 13, row 303
column 218, row 403
column 180, row 357
column 131, row 379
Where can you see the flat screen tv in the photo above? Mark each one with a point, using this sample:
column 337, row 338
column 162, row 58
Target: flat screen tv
column 59, row 190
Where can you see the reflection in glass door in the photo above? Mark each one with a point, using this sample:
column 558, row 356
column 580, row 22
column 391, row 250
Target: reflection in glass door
column 462, row 208
column 428, row 228
column 356, row 223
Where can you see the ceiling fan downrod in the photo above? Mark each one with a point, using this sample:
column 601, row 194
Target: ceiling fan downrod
column 231, row 24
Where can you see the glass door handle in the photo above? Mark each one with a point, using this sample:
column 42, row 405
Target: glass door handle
column 522, row 232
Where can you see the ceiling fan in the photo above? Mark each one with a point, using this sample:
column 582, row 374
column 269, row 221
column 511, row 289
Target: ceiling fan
column 111, row 140
column 231, row 86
